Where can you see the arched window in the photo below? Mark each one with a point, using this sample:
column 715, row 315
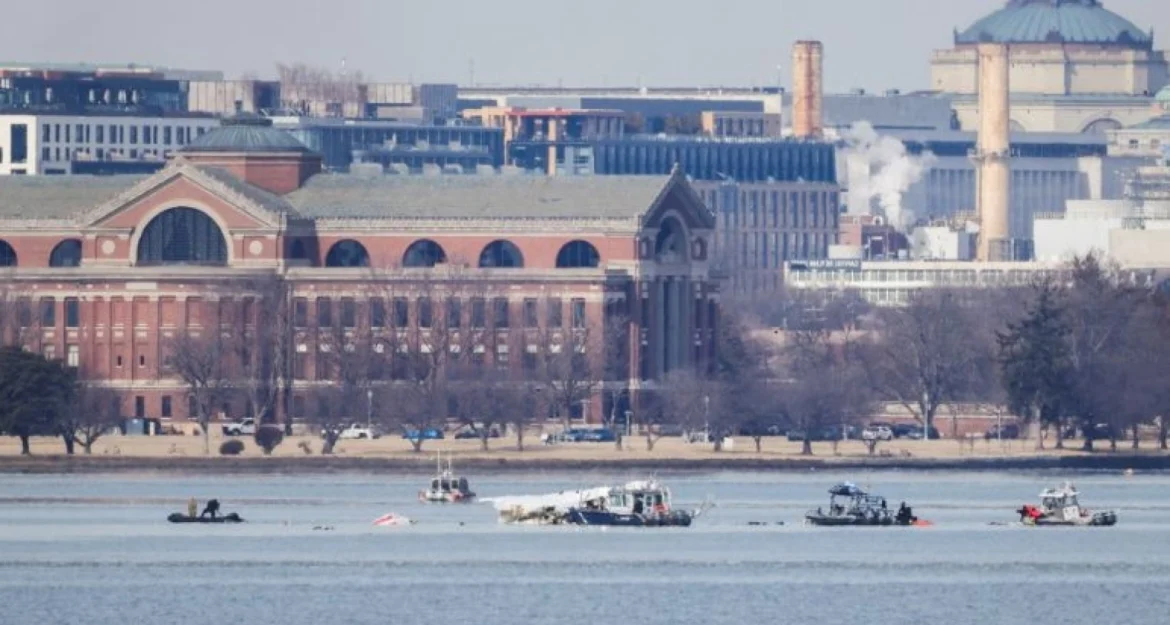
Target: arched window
column 180, row 236
column 66, row 254
column 424, row 253
column 670, row 245
column 578, row 254
column 7, row 254
column 1101, row 126
column 501, row 254
column 347, row 253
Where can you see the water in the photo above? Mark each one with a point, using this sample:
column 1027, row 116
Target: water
column 101, row 553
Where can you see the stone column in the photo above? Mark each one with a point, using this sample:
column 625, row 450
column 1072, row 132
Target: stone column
column 658, row 306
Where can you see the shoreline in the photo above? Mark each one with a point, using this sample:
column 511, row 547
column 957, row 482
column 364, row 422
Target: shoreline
column 424, row 464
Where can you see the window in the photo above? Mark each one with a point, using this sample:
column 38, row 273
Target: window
column 49, row 351
column 139, row 406
column 577, row 254
column 555, row 313
column 182, row 236
column 48, row 312
column 141, row 360
column 67, row 253
column 166, row 406
column 78, row 133
column 578, row 312
column 500, row 312
column 478, row 312
column 46, row 133
column 501, row 254
column 118, row 362
column 401, row 312
column 347, row 253
column 72, row 312
column 18, row 142
column 377, row 313
column 424, row 312
column 348, row 313
column 300, row 312
column 423, row 253
column 454, row 313
column 73, row 355
column 134, row 135
column 324, row 312
column 24, row 312
column 166, row 135
column 530, row 316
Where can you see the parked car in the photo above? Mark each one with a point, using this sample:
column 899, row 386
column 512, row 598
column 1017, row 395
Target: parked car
column 877, row 433
column 761, row 430
column 428, row 434
column 598, row 436
column 243, row 427
column 916, row 433
column 903, row 430
column 475, row 433
column 356, row 431
column 1010, row 431
column 1101, row 432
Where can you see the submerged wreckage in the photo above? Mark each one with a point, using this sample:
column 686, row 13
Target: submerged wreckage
column 644, row 503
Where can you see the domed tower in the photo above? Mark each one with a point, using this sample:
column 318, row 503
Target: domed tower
column 247, row 146
column 1058, row 48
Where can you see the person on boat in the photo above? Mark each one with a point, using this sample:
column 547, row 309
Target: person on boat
column 192, row 507
column 212, row 508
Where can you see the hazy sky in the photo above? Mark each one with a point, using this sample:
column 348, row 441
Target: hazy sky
column 875, row 44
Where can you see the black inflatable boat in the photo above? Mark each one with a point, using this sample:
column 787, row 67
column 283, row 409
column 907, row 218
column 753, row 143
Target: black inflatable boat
column 231, row 517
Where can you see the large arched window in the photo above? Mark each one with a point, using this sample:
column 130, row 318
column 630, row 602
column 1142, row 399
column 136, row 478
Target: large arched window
column 670, row 245
column 180, row 236
column 501, row 254
column 7, row 254
column 66, row 254
column 576, row 254
column 347, row 253
column 424, row 253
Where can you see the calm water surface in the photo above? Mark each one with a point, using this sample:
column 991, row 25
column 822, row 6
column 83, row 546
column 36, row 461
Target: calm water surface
column 116, row 561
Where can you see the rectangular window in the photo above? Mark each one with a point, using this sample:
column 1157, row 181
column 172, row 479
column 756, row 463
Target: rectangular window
column 555, row 313
column 68, row 134
column 454, row 313
column 18, row 143
column 166, row 135
column 72, row 312
column 348, row 313
column 45, row 154
column 45, row 133
column 578, row 305
column 530, row 315
column 424, row 312
column 101, row 134
column 141, row 360
column 478, row 312
column 73, row 355
column 146, row 135
column 139, row 406
column 401, row 312
column 166, row 406
column 324, row 312
column 48, row 312
column 134, row 135
column 50, row 352
column 300, row 312
column 377, row 313
column 500, row 312
column 79, row 133
column 113, row 133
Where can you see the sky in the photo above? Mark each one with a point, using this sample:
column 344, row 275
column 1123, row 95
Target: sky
column 871, row 44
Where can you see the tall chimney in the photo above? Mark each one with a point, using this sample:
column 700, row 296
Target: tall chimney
column 992, row 152
column 806, row 89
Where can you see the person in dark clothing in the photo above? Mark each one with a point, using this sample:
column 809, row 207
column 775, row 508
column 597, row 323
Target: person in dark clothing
column 212, row 509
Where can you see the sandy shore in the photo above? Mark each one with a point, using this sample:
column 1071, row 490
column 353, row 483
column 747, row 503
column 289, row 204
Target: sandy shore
column 187, row 453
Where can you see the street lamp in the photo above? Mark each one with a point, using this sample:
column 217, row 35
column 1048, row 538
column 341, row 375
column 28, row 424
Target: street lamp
column 369, row 408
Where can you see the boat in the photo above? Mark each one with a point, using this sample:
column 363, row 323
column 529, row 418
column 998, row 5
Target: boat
column 178, row 517
column 1060, row 506
column 850, row 505
column 446, row 487
column 643, row 503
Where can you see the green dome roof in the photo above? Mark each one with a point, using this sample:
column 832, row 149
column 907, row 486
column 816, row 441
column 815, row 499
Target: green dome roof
column 246, row 132
column 1056, row 21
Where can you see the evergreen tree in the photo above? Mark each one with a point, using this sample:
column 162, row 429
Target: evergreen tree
column 1035, row 360
column 34, row 393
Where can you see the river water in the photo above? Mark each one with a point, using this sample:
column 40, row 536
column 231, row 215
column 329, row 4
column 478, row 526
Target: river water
column 96, row 550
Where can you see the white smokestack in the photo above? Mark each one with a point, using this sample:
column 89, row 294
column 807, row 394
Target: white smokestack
column 880, row 173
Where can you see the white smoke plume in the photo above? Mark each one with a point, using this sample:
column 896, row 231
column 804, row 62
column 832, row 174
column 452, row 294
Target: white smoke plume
column 880, row 173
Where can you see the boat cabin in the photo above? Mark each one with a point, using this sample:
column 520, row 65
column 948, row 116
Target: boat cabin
column 448, row 483
column 635, row 498
column 1061, row 501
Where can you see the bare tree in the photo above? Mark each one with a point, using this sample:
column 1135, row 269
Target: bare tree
column 692, row 400
column 825, row 383
column 262, row 324
column 93, row 412
column 927, row 353
column 202, row 359
column 572, row 365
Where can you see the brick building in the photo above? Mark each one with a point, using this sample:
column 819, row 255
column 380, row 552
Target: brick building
column 105, row 272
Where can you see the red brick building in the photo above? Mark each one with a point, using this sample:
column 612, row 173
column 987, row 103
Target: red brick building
column 104, row 271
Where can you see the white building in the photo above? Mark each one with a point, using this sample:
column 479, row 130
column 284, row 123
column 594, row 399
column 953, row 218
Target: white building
column 945, row 242
column 38, row 144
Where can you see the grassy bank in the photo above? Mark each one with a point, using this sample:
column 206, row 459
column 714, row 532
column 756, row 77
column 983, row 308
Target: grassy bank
column 186, row 454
